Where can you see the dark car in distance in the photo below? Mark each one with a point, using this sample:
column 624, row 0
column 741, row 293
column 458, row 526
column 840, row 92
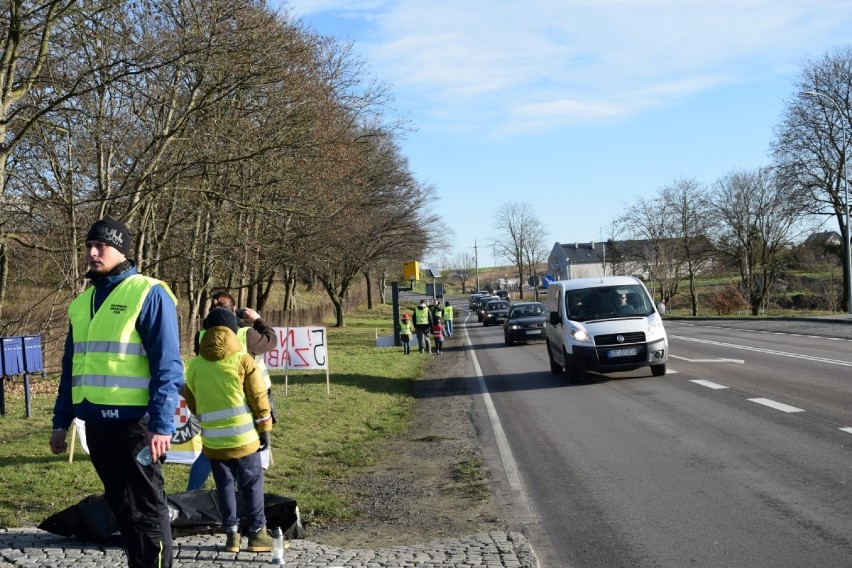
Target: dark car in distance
column 474, row 300
column 495, row 312
column 481, row 303
column 524, row 322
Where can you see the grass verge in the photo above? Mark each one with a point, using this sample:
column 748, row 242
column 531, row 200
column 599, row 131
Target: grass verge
column 319, row 438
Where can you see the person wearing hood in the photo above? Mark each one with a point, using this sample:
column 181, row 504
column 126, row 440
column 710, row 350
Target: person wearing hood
column 405, row 333
column 422, row 317
column 225, row 390
column 256, row 338
column 121, row 373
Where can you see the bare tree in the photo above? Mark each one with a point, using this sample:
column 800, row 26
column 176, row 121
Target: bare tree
column 462, row 269
column 688, row 211
column 811, row 147
column 651, row 243
column 520, row 237
column 757, row 218
column 29, row 45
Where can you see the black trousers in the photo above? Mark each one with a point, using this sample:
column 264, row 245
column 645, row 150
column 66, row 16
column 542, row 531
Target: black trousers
column 135, row 493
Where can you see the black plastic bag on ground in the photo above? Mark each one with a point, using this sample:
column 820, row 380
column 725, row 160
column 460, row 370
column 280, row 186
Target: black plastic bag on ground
column 191, row 512
column 90, row 520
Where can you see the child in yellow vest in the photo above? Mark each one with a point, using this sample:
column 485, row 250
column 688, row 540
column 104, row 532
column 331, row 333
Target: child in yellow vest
column 406, row 330
column 225, row 390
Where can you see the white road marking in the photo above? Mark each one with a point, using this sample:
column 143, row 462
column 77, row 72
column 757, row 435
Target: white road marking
column 709, row 384
column 769, row 351
column 776, row 405
column 740, row 361
column 849, row 430
column 509, row 464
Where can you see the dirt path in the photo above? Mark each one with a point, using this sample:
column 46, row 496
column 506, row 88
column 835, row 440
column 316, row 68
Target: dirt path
column 430, row 483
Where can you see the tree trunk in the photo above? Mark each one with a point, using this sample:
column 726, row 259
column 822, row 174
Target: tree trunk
column 338, row 311
column 369, row 282
column 693, row 293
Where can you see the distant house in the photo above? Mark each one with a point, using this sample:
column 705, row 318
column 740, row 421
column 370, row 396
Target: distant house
column 577, row 260
column 825, row 239
column 631, row 257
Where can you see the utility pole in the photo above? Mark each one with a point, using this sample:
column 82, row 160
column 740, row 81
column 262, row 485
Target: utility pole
column 476, row 263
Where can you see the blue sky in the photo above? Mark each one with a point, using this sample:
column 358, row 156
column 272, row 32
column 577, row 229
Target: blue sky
column 578, row 107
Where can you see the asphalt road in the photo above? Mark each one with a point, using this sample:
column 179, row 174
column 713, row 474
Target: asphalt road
column 740, row 456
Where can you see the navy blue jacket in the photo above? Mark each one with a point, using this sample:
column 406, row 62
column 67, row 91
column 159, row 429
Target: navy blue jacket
column 158, row 327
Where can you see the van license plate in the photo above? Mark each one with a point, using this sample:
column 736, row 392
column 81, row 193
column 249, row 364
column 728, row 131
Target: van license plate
column 631, row 352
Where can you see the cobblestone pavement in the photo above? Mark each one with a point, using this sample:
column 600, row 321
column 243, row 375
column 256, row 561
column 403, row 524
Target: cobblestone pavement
column 36, row 548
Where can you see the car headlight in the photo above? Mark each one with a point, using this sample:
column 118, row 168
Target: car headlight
column 581, row 335
column 656, row 330
column 515, row 327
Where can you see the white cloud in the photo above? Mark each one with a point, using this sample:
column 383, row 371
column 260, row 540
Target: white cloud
column 524, row 65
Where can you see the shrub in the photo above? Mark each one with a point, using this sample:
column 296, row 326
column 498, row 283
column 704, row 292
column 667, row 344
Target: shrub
column 727, row 300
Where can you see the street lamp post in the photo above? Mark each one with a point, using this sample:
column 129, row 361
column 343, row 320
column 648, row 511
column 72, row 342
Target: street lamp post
column 476, row 263
column 846, row 249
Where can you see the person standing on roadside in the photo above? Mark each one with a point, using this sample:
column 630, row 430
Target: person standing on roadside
column 121, row 373
column 436, row 310
column 438, row 334
column 225, row 389
column 256, row 338
column 422, row 324
column 405, row 332
column 448, row 319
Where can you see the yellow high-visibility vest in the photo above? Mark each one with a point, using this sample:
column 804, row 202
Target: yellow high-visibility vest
column 421, row 315
column 242, row 337
column 109, row 364
column 220, row 403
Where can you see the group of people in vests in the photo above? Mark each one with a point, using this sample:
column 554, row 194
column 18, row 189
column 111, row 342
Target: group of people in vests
column 435, row 319
column 122, row 372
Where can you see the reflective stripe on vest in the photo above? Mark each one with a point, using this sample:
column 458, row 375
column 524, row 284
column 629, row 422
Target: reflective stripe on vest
column 242, row 337
column 226, row 413
column 421, row 316
column 233, row 432
column 109, row 364
column 220, row 404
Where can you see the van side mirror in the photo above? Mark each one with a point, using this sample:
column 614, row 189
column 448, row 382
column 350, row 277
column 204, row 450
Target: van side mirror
column 554, row 318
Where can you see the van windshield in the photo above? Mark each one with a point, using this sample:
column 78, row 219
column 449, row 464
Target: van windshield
column 608, row 302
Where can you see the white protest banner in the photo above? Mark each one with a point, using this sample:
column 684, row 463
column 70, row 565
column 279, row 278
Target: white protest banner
column 299, row 348
column 186, row 440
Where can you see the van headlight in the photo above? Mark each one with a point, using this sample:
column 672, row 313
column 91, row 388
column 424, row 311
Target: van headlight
column 580, row 335
column 656, row 329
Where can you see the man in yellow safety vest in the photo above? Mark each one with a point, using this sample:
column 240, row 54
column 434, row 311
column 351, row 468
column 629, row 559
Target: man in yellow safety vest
column 121, row 373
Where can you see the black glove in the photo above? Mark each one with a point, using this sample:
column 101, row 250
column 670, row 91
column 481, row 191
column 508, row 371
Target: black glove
column 264, row 440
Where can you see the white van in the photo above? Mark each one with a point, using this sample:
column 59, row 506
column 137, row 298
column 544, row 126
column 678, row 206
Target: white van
column 604, row 324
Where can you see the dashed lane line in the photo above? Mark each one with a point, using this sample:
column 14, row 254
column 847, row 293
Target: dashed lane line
column 688, row 360
column 709, row 384
column 776, row 405
column 764, row 401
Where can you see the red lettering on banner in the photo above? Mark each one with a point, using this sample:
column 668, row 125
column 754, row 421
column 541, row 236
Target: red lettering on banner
column 286, row 336
column 299, row 351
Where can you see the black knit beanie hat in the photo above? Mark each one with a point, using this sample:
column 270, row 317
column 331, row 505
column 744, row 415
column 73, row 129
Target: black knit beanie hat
column 221, row 316
column 111, row 232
